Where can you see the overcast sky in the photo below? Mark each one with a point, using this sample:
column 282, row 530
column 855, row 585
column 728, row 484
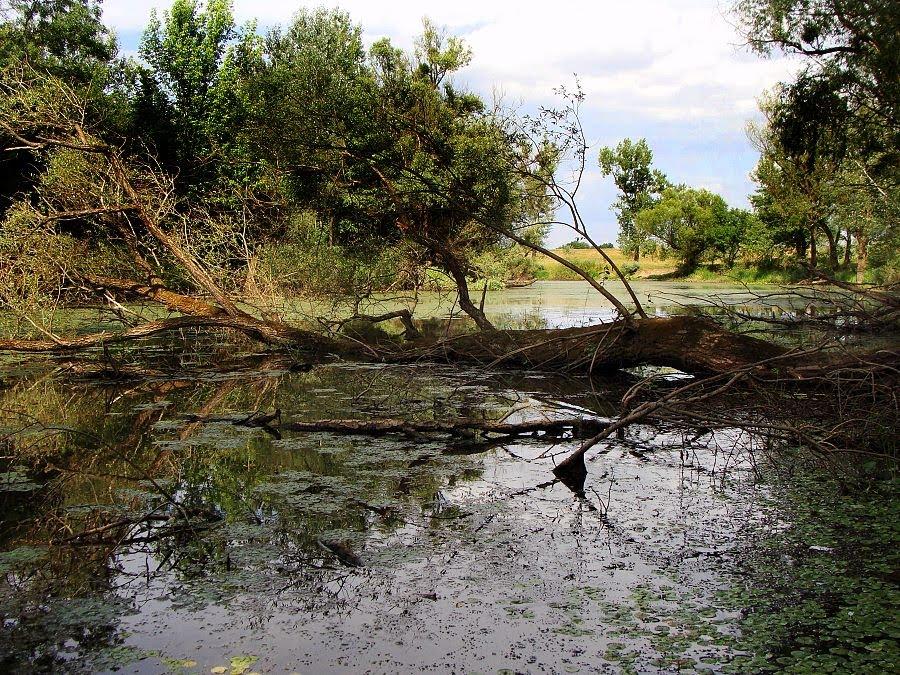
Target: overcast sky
column 671, row 71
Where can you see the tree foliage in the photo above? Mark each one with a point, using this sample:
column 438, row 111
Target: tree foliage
column 65, row 38
column 630, row 165
column 187, row 99
column 693, row 224
column 833, row 133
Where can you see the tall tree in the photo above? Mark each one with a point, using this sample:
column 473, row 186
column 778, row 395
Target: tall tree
column 188, row 93
column 62, row 38
column 65, row 38
column 630, row 165
column 383, row 145
column 838, row 122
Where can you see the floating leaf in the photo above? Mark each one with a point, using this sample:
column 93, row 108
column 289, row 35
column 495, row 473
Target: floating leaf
column 241, row 664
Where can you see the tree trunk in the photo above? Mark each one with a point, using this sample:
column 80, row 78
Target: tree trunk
column 692, row 344
column 862, row 254
column 800, row 245
column 636, row 254
column 848, row 239
column 813, row 254
column 154, row 291
column 832, row 245
column 453, row 266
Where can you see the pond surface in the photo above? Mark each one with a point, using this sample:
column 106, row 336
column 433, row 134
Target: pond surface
column 561, row 304
column 144, row 531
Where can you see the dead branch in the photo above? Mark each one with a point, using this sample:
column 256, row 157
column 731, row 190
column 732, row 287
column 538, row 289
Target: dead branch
column 578, row 427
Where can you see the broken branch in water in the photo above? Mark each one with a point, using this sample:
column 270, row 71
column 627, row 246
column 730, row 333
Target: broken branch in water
column 578, row 427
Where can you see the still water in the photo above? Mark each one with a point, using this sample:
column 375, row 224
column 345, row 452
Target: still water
column 143, row 531
column 562, row 304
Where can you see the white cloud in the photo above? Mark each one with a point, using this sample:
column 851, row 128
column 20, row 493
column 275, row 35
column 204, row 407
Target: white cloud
column 654, row 68
column 653, row 57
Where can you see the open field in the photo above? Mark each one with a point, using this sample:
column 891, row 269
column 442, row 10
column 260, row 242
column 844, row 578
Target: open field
column 653, row 267
column 591, row 261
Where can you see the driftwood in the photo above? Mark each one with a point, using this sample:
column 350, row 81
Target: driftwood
column 577, row 427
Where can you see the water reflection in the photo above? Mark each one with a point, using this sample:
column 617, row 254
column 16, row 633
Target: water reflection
column 184, row 543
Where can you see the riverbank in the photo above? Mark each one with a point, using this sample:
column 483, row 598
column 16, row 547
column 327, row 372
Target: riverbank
column 655, row 268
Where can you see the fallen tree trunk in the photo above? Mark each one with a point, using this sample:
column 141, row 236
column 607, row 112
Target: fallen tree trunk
column 577, row 427
column 692, row 344
column 153, row 291
column 273, row 333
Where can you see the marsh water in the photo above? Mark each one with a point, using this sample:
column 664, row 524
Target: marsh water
column 144, row 531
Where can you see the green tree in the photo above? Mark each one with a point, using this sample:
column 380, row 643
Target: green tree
column 852, row 47
column 385, row 148
column 801, row 179
column 629, row 164
column 685, row 221
column 188, row 99
column 730, row 231
column 834, row 131
column 65, row 38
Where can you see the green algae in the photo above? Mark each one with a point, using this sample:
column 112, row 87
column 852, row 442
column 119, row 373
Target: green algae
column 454, row 534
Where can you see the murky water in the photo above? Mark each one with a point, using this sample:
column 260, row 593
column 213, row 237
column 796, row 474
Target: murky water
column 204, row 546
column 561, row 304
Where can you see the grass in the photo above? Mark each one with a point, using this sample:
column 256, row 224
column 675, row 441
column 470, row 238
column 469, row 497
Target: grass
column 664, row 269
column 748, row 274
column 593, row 263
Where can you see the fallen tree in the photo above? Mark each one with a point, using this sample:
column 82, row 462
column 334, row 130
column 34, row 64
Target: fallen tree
column 574, row 427
column 127, row 203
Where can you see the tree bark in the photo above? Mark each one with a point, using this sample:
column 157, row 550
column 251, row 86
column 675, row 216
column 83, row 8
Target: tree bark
column 862, row 256
column 848, row 239
column 692, row 344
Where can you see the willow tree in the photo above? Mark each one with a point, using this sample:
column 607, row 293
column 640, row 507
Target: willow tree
column 384, row 147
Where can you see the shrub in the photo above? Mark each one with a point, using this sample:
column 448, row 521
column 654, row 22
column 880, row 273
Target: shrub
column 629, row 269
column 578, row 243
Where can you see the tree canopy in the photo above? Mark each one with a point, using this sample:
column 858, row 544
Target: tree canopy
column 833, row 133
column 630, row 165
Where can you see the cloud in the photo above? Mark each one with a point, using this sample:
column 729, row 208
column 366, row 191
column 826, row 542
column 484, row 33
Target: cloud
column 672, row 71
column 658, row 59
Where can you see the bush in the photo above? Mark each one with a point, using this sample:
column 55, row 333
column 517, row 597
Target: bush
column 578, row 243
column 629, row 269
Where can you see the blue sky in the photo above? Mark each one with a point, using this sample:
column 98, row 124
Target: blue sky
column 672, row 71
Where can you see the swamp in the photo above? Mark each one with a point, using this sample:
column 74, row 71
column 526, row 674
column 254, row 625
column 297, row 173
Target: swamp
column 168, row 534
column 300, row 374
